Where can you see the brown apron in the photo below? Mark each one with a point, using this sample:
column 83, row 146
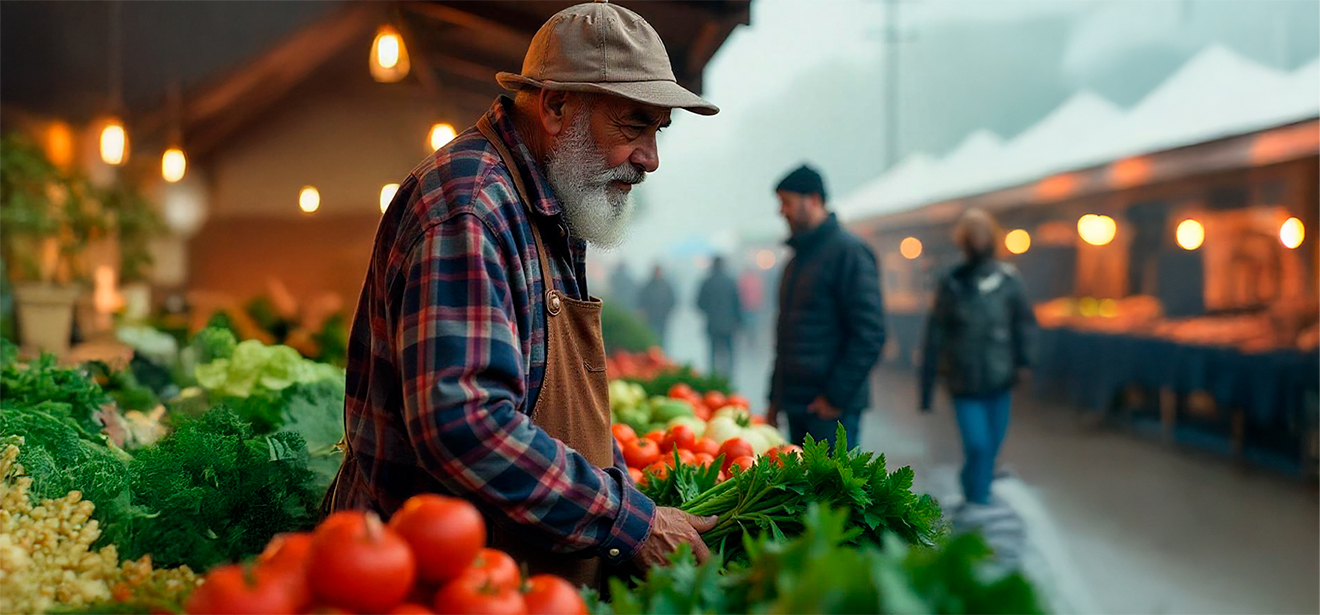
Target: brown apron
column 574, row 402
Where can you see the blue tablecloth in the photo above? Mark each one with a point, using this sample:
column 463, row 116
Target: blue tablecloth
column 1089, row 369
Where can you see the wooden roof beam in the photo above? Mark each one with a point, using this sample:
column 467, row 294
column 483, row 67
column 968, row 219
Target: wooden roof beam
column 467, row 19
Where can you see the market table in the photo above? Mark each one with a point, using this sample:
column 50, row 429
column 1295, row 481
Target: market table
column 1269, row 389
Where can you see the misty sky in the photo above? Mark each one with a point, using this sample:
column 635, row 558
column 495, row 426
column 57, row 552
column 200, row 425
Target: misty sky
column 805, row 82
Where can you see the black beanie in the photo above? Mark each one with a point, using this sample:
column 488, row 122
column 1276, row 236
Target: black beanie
column 803, row 180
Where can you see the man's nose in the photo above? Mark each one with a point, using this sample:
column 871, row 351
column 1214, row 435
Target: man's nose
column 647, row 156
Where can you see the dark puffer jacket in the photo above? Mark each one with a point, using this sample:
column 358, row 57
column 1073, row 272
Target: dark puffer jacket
column 979, row 332
column 831, row 322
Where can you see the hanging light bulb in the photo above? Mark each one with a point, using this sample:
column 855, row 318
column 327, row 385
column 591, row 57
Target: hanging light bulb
column 309, row 199
column 386, row 195
column 441, row 134
column 389, row 56
column 910, row 247
column 173, row 164
column 1097, row 230
column 114, row 142
column 1190, row 234
column 1018, row 241
column 1291, row 233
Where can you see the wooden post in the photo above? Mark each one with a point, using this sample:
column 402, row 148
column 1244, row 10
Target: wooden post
column 1168, row 412
column 1239, row 432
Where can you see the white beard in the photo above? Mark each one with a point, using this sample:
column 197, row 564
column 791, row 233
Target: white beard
column 576, row 168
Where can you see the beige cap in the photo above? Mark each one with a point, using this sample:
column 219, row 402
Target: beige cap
column 607, row 49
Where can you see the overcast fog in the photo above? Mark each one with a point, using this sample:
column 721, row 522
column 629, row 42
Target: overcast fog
column 964, row 65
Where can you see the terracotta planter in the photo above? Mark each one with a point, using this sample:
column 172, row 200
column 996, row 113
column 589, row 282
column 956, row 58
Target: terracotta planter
column 45, row 316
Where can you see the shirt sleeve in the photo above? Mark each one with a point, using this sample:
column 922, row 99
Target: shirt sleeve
column 463, row 378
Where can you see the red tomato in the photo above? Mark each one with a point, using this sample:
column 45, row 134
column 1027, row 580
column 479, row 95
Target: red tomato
column 637, row 476
column 742, row 463
column 723, row 476
column 358, row 563
column 656, row 436
column 328, row 610
column 715, row 400
column 680, row 390
column 700, row 410
column 641, row 453
column 409, row 608
column 550, row 595
column 286, row 556
column 739, row 401
column 287, row 550
column 734, row 448
column 680, row 436
column 470, row 594
column 685, row 457
column 623, row 433
column 658, row 470
column 496, row 568
column 707, row 446
column 445, row 534
column 703, row 460
column 238, row 591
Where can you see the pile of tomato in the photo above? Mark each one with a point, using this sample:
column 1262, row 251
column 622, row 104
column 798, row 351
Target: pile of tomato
column 430, row 558
column 704, row 405
column 653, row 455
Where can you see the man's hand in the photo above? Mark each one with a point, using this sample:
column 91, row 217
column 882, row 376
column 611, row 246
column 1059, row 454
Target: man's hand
column 822, row 408
column 772, row 417
column 673, row 527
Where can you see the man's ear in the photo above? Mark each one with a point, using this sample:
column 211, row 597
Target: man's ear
column 553, row 105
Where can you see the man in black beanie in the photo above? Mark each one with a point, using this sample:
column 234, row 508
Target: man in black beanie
column 831, row 318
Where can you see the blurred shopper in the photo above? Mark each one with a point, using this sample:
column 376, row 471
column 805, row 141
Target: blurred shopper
column 751, row 289
column 657, row 302
column 475, row 364
column 978, row 341
column 623, row 289
column 831, row 317
column 718, row 300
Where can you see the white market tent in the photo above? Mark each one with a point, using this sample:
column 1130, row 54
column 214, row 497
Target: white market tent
column 1217, row 93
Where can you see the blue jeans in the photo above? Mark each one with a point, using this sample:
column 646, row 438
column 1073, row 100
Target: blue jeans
column 801, row 423
column 983, row 421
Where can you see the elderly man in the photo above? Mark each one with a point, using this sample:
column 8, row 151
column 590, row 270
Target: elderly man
column 476, row 366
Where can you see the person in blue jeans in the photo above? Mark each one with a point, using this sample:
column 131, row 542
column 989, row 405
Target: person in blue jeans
column 978, row 341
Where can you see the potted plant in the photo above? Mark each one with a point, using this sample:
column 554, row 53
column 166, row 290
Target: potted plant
column 46, row 219
column 136, row 224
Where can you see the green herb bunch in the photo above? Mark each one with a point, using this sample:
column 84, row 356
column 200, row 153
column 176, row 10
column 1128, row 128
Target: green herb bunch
column 771, row 496
column 218, row 492
column 822, row 571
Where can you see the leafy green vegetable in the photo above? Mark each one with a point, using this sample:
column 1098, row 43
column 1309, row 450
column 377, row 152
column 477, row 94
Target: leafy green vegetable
column 43, row 380
column 122, row 386
column 771, row 497
column 624, row 330
column 253, row 380
column 213, row 342
column 332, row 341
column 218, row 493
column 660, row 385
column 60, row 456
column 315, row 411
column 820, row 571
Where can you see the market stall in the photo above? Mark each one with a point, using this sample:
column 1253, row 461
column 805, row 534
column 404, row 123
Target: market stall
column 198, row 492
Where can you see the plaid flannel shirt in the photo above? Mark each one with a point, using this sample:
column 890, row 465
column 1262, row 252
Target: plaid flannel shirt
column 447, row 354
